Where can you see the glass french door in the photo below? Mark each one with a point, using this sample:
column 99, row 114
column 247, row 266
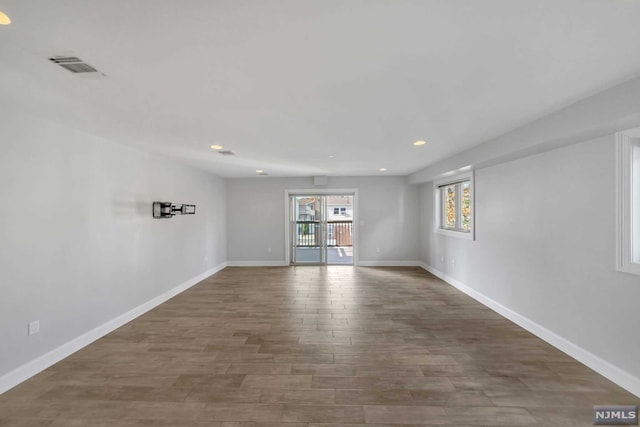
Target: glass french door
column 308, row 241
column 321, row 229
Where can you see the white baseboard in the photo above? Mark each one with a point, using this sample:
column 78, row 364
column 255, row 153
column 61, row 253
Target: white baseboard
column 35, row 366
column 389, row 264
column 359, row 263
column 256, row 264
column 601, row 366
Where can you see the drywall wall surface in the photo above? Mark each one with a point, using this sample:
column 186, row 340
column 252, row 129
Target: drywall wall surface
column 78, row 244
column 545, row 248
column 387, row 210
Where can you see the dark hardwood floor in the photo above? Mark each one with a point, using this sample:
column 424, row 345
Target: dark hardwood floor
column 314, row 346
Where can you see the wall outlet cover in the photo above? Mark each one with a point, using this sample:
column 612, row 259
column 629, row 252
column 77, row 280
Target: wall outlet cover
column 34, row 327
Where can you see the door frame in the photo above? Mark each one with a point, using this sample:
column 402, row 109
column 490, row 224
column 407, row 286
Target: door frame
column 320, row 192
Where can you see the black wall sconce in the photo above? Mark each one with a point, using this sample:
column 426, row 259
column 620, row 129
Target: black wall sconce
column 168, row 209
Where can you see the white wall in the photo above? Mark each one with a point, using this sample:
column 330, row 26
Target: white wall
column 78, row 244
column 387, row 205
column 635, row 225
column 545, row 249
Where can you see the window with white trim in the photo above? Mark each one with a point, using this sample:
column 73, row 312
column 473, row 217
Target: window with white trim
column 454, row 206
column 628, row 201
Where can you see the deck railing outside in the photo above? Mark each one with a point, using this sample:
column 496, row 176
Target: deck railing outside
column 339, row 233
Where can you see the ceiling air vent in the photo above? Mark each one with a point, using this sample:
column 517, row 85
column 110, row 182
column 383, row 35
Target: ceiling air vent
column 227, row 153
column 73, row 64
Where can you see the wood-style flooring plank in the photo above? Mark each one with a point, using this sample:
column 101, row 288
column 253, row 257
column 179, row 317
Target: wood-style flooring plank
column 314, row 347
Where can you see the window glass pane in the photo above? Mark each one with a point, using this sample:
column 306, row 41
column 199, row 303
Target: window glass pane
column 449, row 206
column 466, row 206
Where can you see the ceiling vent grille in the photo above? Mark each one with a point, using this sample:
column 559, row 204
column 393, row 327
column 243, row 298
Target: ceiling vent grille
column 227, row 153
column 73, row 64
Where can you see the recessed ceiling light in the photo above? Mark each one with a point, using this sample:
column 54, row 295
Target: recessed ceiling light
column 331, row 156
column 4, row 19
column 382, row 169
column 419, row 143
column 216, row 147
column 259, row 171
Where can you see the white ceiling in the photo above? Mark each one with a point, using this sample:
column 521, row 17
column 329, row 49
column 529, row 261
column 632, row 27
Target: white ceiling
column 286, row 83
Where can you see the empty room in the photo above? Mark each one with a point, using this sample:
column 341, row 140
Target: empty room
column 319, row 213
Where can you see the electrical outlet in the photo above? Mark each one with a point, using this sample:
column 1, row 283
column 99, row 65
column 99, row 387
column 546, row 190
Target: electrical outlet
column 206, row 258
column 269, row 250
column 442, row 260
column 34, row 327
column 378, row 250
column 453, row 263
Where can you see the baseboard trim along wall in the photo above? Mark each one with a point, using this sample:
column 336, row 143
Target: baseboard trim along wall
column 601, row 366
column 35, row 366
column 359, row 264
column 389, row 263
column 256, row 264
